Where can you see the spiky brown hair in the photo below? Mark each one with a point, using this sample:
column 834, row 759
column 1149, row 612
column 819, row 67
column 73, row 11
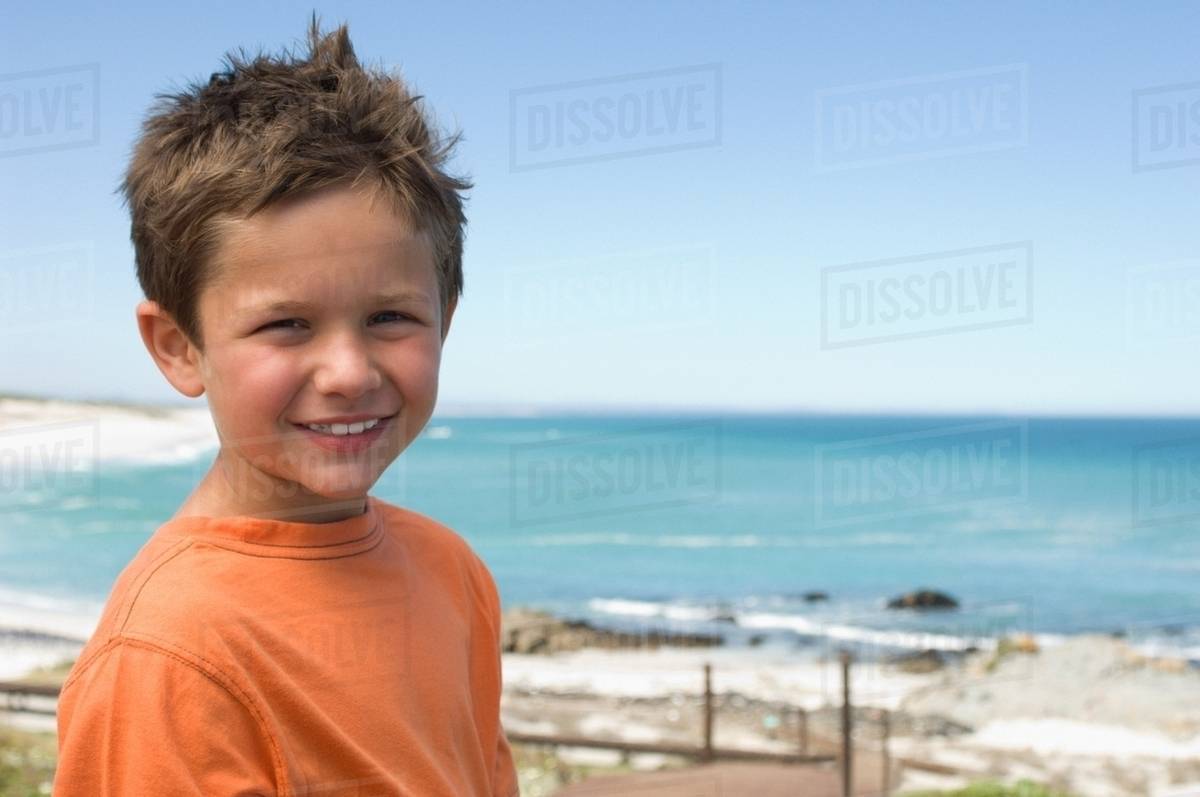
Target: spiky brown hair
column 273, row 127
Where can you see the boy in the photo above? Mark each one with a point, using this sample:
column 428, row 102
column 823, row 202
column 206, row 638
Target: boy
column 285, row 633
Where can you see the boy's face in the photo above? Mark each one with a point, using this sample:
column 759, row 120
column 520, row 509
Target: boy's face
column 361, row 337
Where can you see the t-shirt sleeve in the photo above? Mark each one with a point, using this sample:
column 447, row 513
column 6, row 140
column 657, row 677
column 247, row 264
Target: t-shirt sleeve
column 506, row 771
column 504, row 780
column 139, row 720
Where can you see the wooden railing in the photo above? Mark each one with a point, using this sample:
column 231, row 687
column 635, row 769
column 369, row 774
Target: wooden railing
column 16, row 696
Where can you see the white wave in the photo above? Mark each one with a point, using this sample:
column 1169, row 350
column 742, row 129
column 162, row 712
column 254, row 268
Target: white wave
column 73, row 502
column 654, row 541
column 908, row 639
column 439, row 432
column 895, row 638
column 62, row 617
column 175, row 455
column 1077, row 526
column 863, row 540
column 1162, row 648
column 634, row 608
column 730, row 540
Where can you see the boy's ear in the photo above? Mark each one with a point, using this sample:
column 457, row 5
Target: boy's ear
column 173, row 353
column 446, row 316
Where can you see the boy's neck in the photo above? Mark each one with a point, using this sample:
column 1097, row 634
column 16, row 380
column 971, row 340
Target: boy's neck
column 214, row 498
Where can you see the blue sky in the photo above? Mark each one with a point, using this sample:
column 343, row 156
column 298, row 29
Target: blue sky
column 696, row 267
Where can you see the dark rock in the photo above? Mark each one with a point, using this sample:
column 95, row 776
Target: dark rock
column 919, row 662
column 533, row 631
column 815, row 596
column 923, row 599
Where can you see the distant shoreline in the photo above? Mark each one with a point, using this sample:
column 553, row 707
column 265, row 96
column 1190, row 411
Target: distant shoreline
column 454, row 409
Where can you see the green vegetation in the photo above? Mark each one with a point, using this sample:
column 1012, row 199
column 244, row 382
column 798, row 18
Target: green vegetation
column 543, row 773
column 26, row 762
column 53, row 675
column 1022, row 788
column 1006, row 646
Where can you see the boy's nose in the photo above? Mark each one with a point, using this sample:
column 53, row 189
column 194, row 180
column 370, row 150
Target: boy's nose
column 345, row 366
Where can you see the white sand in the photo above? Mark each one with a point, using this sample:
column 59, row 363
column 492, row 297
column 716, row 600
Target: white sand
column 1071, row 737
column 31, row 428
column 1087, row 679
column 1088, row 713
column 763, row 675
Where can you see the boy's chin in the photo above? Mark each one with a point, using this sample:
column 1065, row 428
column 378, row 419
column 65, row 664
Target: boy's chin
column 338, row 491
column 333, row 487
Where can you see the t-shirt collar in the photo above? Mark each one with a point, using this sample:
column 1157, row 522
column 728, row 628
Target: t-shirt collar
column 260, row 531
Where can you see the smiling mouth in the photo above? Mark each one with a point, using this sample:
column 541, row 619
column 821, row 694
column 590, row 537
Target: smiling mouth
column 345, row 429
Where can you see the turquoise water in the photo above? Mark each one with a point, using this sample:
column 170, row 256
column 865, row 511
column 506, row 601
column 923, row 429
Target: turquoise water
column 1047, row 525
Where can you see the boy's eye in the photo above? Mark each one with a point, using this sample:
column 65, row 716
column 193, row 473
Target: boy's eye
column 286, row 323
column 396, row 315
column 281, row 324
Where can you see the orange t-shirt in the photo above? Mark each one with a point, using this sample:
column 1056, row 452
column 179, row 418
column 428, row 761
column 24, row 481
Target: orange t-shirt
column 245, row 656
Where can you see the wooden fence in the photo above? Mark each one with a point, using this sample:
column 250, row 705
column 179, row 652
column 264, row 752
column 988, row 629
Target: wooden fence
column 17, row 697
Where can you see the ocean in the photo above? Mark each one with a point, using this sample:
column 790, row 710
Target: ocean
column 733, row 524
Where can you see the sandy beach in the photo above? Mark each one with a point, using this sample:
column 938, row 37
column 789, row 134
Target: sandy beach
column 1090, row 716
column 110, row 431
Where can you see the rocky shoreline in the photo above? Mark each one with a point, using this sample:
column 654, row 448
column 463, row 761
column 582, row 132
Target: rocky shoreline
column 1089, row 715
column 525, row 630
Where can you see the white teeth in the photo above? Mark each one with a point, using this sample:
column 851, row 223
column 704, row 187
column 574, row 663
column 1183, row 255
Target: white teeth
column 344, row 428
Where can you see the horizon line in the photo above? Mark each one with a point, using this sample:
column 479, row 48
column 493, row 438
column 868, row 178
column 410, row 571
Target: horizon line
column 452, row 409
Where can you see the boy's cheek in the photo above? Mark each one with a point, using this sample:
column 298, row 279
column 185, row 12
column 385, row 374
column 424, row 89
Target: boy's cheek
column 256, row 379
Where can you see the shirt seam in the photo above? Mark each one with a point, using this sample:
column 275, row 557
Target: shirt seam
column 235, row 546
column 163, row 646
column 131, row 601
column 376, row 526
column 125, row 609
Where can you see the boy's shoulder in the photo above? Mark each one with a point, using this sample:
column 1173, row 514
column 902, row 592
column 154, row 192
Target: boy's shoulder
column 430, row 538
column 183, row 599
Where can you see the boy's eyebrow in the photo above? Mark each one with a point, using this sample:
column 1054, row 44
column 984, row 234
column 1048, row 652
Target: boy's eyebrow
column 295, row 305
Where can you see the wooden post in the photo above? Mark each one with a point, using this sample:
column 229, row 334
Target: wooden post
column 708, row 713
column 847, row 729
column 886, row 719
column 802, row 721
